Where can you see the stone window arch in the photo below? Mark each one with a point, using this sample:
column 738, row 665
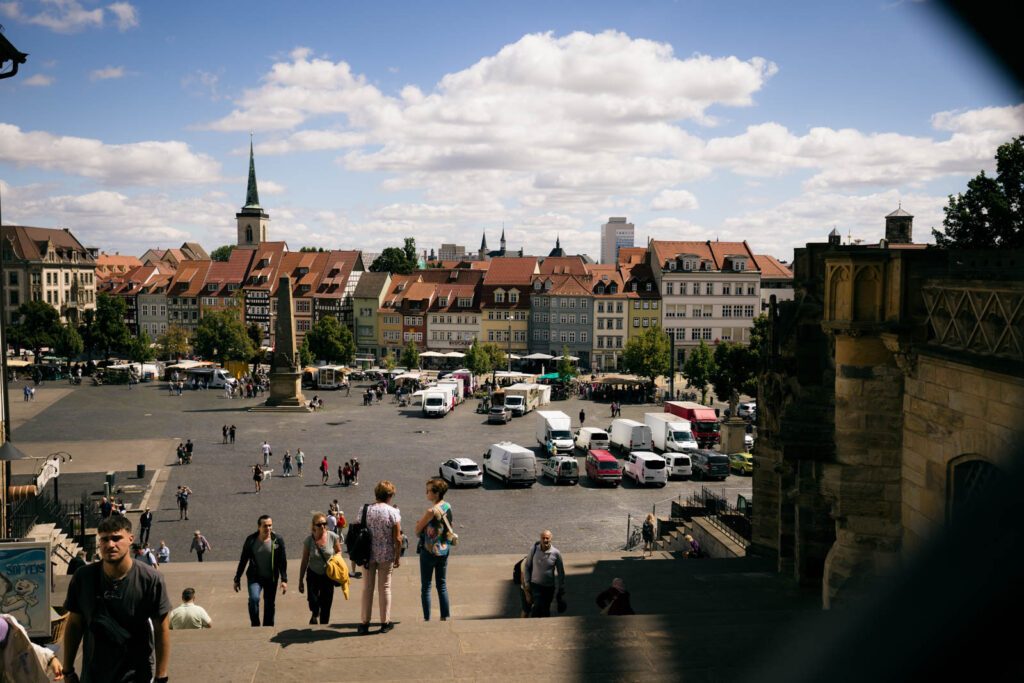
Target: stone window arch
column 969, row 478
column 248, row 233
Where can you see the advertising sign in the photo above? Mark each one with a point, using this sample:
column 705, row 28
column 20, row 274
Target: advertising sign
column 25, row 585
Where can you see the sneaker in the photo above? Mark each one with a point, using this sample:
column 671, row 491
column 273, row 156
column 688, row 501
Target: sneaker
column 363, row 629
column 312, row 621
column 386, row 627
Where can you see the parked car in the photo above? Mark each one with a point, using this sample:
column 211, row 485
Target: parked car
column 646, row 468
column 709, row 464
column 561, row 468
column 742, row 463
column 499, row 414
column 512, row 464
column 678, row 465
column 461, row 472
column 603, row 468
column 591, row 438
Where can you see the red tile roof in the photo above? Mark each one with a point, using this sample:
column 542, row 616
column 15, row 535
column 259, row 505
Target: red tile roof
column 716, row 252
column 771, row 268
column 508, row 271
column 563, row 265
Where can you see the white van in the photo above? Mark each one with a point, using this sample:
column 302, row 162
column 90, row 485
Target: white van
column 591, row 438
column 678, row 465
column 214, row 378
column 646, row 468
column 513, row 464
column 629, row 435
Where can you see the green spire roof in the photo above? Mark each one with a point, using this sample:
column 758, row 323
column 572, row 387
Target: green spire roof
column 252, row 195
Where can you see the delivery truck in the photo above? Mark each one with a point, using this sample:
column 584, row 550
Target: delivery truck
column 555, row 426
column 522, row 398
column 702, row 419
column 670, row 433
column 630, row 435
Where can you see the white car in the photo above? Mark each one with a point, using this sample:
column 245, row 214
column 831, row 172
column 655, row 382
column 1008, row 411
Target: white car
column 461, row 472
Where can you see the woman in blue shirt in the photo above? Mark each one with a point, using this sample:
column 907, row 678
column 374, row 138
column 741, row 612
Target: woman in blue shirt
column 434, row 547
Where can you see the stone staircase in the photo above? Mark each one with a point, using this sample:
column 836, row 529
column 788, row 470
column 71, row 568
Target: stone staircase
column 62, row 546
column 703, row 619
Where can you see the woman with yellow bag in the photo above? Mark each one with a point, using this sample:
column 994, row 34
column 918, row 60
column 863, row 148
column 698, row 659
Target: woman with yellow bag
column 317, row 550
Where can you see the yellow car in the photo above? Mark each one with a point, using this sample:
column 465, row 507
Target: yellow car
column 742, row 463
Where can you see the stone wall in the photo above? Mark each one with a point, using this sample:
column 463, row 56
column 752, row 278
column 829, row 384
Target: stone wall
column 953, row 412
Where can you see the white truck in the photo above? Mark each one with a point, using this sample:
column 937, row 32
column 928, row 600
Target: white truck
column 670, row 433
column 436, row 403
column 556, row 426
column 511, row 463
column 458, row 388
column 522, row 398
column 630, row 435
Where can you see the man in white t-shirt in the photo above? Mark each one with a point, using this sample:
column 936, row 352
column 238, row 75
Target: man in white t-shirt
column 266, row 454
column 188, row 614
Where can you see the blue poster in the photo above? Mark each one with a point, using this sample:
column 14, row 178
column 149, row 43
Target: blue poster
column 25, row 585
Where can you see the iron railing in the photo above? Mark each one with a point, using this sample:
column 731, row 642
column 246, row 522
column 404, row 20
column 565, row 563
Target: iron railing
column 721, row 515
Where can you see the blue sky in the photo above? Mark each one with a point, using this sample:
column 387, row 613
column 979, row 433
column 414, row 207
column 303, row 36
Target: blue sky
column 373, row 121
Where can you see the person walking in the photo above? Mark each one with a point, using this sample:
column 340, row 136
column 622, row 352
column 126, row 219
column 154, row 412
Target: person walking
column 189, row 615
column 145, row 526
column 265, row 448
column 317, row 550
column 300, row 458
column 231, row 434
column 189, row 447
column 348, row 473
column 199, row 544
column 546, row 570
column 614, row 600
column 286, row 463
column 583, row 416
column 355, row 471
column 184, row 493
column 264, row 562
column 257, row 476
column 343, row 475
column 647, row 533
column 385, row 525
column 117, row 593
column 325, row 471
column 432, row 529
column 224, row 434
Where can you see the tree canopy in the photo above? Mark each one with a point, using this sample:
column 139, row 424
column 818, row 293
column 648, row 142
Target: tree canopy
column 401, row 260
column 566, row 368
column 699, row 368
column 37, row 325
column 110, row 333
column 140, row 349
column 173, row 343
column 990, row 214
column 330, row 341
column 221, row 336
column 410, row 357
column 222, row 253
column 735, row 368
column 67, row 342
column 647, row 354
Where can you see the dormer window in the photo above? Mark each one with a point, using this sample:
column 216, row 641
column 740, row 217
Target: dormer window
column 400, row 287
column 537, row 284
column 499, row 296
column 212, row 287
column 599, row 289
column 548, row 285
column 739, row 264
column 613, row 288
column 263, row 263
column 632, row 286
column 671, row 265
column 513, row 296
column 442, row 302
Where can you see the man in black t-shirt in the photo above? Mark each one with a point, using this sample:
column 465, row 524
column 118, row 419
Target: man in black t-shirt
column 117, row 606
column 145, row 526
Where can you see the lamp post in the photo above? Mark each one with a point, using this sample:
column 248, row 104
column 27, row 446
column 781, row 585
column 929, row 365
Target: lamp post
column 672, row 362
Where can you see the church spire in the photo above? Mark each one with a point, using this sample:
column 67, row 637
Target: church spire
column 252, row 195
column 503, row 239
column 483, row 242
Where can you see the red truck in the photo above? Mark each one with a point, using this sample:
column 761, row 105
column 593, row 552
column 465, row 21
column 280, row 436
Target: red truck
column 703, row 420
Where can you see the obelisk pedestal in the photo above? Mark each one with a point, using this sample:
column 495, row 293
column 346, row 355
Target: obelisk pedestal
column 285, row 373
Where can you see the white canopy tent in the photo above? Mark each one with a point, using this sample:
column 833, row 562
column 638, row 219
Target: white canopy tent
column 538, row 356
column 432, row 354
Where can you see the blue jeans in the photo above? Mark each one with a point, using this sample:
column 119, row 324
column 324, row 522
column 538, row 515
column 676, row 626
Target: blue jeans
column 437, row 566
column 269, row 591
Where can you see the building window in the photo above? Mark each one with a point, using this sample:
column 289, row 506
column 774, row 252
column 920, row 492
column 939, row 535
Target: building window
column 647, row 305
column 600, row 342
column 583, row 303
column 748, row 311
column 726, row 311
column 600, row 307
column 583, row 319
column 636, row 305
column 636, row 322
column 669, row 286
column 618, row 307
column 12, row 278
column 646, row 322
column 705, row 333
column 499, row 297
column 751, row 290
column 572, row 318
column 726, row 288
column 618, row 323
column 513, row 296
column 709, row 288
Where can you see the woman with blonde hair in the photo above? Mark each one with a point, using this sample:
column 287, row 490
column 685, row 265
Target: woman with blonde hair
column 317, row 550
column 647, row 533
column 385, row 525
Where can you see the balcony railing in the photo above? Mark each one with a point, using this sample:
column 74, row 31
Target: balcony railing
column 986, row 319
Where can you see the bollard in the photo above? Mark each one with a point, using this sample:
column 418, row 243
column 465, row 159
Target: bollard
column 140, row 471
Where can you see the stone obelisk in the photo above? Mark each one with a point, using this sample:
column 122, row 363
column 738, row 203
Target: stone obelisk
column 285, row 370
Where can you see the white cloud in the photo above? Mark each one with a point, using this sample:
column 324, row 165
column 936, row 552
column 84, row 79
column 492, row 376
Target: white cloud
column 107, row 73
column 311, row 141
column 126, row 14
column 850, row 158
column 61, row 16
column 674, row 199
column 137, row 163
column 38, row 80
column 667, row 228
column 202, row 83
column 270, row 187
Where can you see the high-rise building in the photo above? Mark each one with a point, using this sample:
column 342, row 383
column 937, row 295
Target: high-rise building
column 615, row 234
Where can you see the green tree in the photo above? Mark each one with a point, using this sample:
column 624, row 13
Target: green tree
column 647, row 355
column 759, row 338
column 494, row 355
column 734, row 372
column 221, row 336
column 173, row 343
column 87, row 330
column 222, row 253
column 306, row 356
column 68, row 343
column 401, row 260
column 140, row 349
column 410, row 357
column 331, row 341
column 111, row 333
column 566, row 368
column 990, row 214
column 387, row 361
column 37, row 325
column 311, row 250
column 698, row 369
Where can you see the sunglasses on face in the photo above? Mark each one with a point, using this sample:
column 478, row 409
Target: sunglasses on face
column 320, row 524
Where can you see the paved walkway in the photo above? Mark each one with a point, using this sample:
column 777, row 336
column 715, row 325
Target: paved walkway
column 705, row 618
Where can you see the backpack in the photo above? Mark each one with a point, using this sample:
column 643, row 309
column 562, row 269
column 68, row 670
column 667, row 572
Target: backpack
column 359, row 541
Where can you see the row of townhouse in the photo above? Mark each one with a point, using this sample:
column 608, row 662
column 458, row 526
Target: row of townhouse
column 698, row 291
column 159, row 295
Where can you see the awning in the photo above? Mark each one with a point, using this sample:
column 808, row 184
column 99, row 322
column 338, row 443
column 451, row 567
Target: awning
column 621, row 379
column 538, row 356
column 432, row 354
column 512, row 356
column 453, row 354
column 561, row 357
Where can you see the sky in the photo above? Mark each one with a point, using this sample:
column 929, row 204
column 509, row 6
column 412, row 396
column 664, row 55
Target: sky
column 767, row 122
